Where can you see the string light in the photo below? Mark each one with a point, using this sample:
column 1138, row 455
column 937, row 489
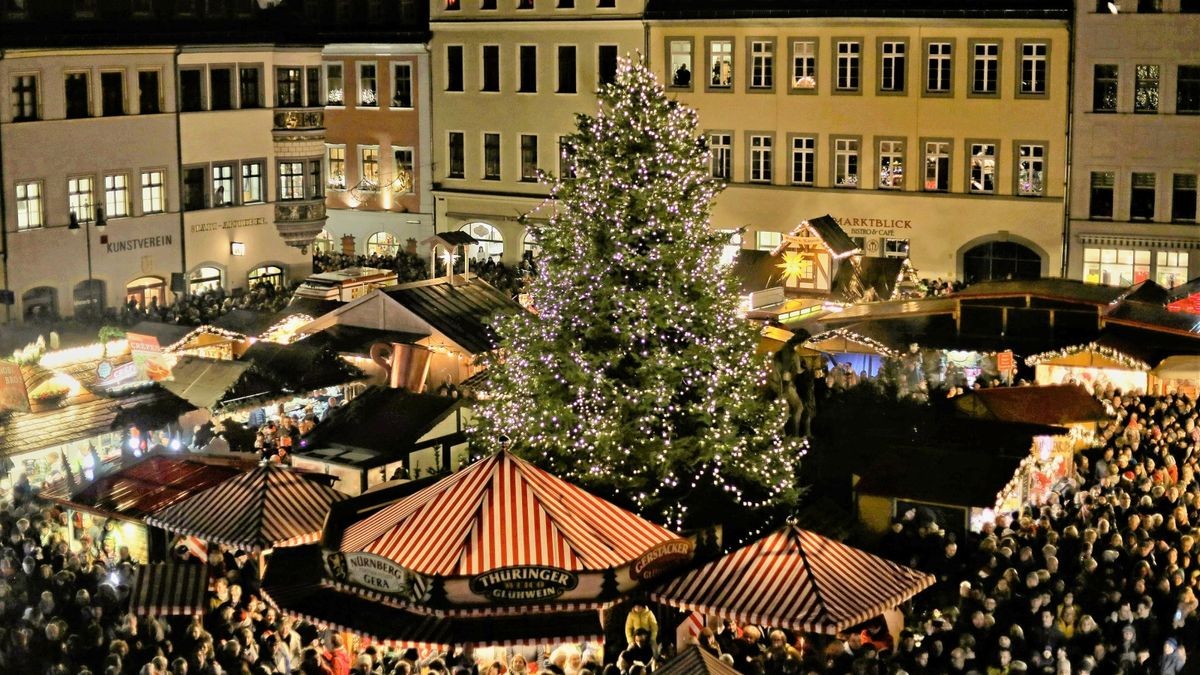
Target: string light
column 1107, row 352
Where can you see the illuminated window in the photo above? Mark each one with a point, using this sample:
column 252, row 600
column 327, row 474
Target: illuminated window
column 489, row 242
column 267, row 274
column 383, row 243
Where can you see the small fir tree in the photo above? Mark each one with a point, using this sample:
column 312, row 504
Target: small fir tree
column 634, row 376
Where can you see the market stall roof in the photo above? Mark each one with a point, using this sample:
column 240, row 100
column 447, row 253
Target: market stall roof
column 828, row 230
column 499, row 512
column 381, row 420
column 460, row 311
column 450, row 239
column 795, row 579
column 346, row 339
column 86, row 416
column 850, row 341
column 892, row 309
column 204, row 382
column 1147, row 291
column 754, row 270
column 1155, row 318
column 937, row 476
column 1056, row 404
column 867, row 278
column 695, row 661
column 292, row 585
column 169, row 589
column 1183, row 367
column 300, row 366
column 245, row 322
column 270, row 506
column 135, row 491
column 167, row 334
column 306, row 306
column 1062, row 290
column 163, row 409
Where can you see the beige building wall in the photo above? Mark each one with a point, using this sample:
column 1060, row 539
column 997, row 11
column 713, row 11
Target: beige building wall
column 503, row 203
column 940, row 226
column 1114, row 140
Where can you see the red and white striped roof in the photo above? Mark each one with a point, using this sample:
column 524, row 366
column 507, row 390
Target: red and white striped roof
column 168, row 589
column 500, row 512
column 796, row 579
column 270, row 506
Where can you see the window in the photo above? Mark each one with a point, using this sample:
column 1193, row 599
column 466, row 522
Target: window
column 253, row 182
column 845, row 162
column 680, row 51
column 1104, row 88
column 527, row 69
column 761, row 159
column 487, row 4
column 1101, row 203
column 335, row 92
column 249, row 87
column 149, row 92
column 529, row 157
column 1115, row 267
column 762, row 64
column 323, row 242
column 565, row 4
column 985, row 68
column 804, row 160
column 79, row 197
column 25, row 98
column 291, row 179
column 220, row 88
column 1189, row 6
column 40, row 303
column 335, row 159
column 77, row 95
column 490, row 243
column 1187, row 100
column 1031, row 170
column 767, row 241
column 402, row 85
column 315, row 186
column 891, row 165
column 116, row 195
column 937, row 166
column 191, row 90
column 606, row 4
column 267, row 274
column 804, row 65
column 457, row 166
column 606, row 64
column 1149, row 6
column 195, row 188
column 312, row 86
column 154, row 195
column 29, row 205
column 847, row 66
column 453, row 5
column 720, row 158
column 983, row 168
column 368, row 165
column 524, row 4
column 895, row 248
column 892, row 60
column 729, row 252
column 566, row 69
column 384, row 244
column 402, row 162
column 222, row 185
column 1183, row 198
column 1171, row 268
column 491, row 156
column 454, row 67
column 204, row 279
column 1141, row 197
column 1033, row 68
column 939, row 67
column 1145, row 95
column 289, row 87
column 530, row 248
column 368, row 86
column 491, row 68
column 720, row 64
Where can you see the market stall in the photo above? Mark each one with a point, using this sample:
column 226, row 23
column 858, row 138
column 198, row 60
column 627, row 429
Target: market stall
column 847, row 347
column 1180, row 374
column 169, row 589
column 795, row 579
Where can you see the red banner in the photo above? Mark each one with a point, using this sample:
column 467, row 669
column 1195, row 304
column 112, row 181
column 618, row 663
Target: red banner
column 13, row 395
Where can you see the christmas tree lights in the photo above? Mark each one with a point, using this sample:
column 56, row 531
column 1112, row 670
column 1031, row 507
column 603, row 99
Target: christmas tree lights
column 634, row 376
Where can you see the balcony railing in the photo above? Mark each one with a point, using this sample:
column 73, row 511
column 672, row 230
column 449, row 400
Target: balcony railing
column 299, row 222
column 299, row 119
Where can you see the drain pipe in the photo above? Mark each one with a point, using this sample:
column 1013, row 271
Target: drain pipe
column 1067, row 182
column 179, row 175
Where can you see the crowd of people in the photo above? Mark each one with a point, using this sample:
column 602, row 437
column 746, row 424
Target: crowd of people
column 411, row 267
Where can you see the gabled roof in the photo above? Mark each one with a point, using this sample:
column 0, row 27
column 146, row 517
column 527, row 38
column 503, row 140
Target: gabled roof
column 385, row 421
column 204, row 382
column 695, row 661
column 754, row 270
column 245, row 322
column 300, row 366
column 1056, row 404
column 346, row 339
column 461, row 311
column 450, row 239
column 833, row 234
column 167, row 334
column 1147, row 291
column 87, row 418
column 780, row 9
column 1154, row 317
column 865, row 278
column 1067, row 290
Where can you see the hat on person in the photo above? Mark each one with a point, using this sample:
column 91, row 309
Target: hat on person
column 1017, row 667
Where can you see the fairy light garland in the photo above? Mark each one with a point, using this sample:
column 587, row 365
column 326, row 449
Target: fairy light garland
column 850, row 335
column 1107, row 352
column 636, row 376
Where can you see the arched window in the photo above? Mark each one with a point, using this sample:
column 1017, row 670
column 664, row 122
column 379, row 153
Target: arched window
column 146, row 291
column 323, row 243
column 490, row 243
column 204, row 279
column 383, row 243
column 530, row 245
column 267, row 274
column 89, row 296
column 40, row 303
column 1001, row 260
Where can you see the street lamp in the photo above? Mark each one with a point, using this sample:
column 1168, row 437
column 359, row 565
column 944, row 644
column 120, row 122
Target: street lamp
column 74, row 227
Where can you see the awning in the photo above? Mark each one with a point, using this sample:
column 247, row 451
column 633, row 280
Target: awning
column 795, row 579
column 1178, row 368
column 167, row 589
column 271, row 506
column 695, row 661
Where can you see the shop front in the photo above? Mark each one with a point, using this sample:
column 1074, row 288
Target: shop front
column 238, row 247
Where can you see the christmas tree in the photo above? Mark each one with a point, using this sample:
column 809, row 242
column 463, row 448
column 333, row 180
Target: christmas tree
column 633, row 376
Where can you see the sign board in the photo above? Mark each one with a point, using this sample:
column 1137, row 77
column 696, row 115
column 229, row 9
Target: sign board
column 524, row 583
column 661, row 558
column 376, row 573
column 113, row 376
column 13, row 395
column 148, row 357
column 1004, row 361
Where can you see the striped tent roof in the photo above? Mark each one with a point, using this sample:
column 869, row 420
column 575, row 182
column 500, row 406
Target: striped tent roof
column 501, row 512
column 270, row 506
column 167, row 589
column 795, row 579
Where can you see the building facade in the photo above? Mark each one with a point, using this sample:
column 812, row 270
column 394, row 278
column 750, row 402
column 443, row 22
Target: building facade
column 1136, row 152
column 508, row 78
column 939, row 135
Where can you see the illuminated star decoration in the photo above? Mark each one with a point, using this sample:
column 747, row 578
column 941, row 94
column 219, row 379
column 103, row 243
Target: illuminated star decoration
column 795, row 266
